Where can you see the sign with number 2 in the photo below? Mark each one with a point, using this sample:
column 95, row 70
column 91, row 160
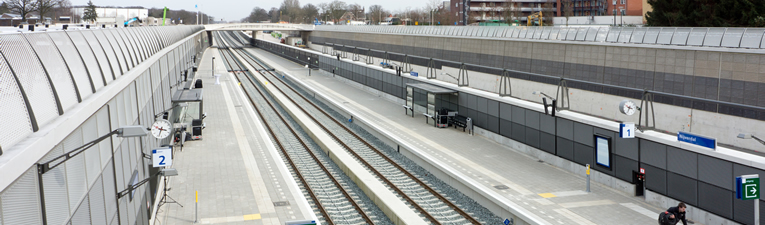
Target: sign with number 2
column 162, row 157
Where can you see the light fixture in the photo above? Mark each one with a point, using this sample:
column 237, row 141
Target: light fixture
column 750, row 136
column 544, row 102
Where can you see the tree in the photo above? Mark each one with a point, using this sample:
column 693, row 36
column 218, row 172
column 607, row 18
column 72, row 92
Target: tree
column 46, row 6
column 290, row 10
column 4, row 8
column 22, row 7
column 356, row 9
column 310, row 12
column 512, row 12
column 273, row 14
column 707, row 13
column 548, row 12
column 90, row 14
column 258, row 14
column 568, row 9
column 336, row 9
column 376, row 13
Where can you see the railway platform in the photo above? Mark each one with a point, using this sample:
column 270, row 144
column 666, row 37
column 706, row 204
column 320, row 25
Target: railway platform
column 537, row 188
column 239, row 176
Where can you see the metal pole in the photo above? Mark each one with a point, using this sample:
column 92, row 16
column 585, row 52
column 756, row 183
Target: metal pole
column 213, row 67
column 588, row 177
column 757, row 211
column 196, row 206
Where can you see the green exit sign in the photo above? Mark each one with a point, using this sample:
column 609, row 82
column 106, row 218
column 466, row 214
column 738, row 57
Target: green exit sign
column 751, row 188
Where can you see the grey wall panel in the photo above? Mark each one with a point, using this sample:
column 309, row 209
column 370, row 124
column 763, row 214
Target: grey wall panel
column 492, row 108
column 518, row 115
column 139, row 44
column 505, row 128
column 716, row 200
column 15, row 118
column 96, row 197
column 480, row 104
column 20, row 201
column 716, row 172
column 519, row 132
column 492, row 123
column 583, row 154
column 118, row 53
column 743, row 211
column 76, row 174
column 55, row 67
column 82, row 214
column 532, row 137
column 129, row 63
column 472, row 101
column 55, row 190
column 682, row 188
column 110, row 52
column 547, row 123
column 547, row 142
column 29, row 72
column 655, row 179
column 627, row 147
column 129, row 45
column 110, row 202
column 88, row 57
column 532, row 119
column 565, row 148
column 682, row 162
column 583, row 134
column 505, row 110
column 653, row 153
column 623, row 167
column 565, row 128
column 71, row 57
column 98, row 51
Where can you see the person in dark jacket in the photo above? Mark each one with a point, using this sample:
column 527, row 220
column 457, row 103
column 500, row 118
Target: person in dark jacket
column 678, row 213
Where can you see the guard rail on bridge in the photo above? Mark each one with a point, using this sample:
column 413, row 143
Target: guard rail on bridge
column 260, row 26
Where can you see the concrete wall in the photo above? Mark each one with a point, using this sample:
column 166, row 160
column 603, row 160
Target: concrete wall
column 728, row 75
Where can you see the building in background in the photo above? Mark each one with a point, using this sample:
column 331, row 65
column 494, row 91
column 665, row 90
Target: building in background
column 498, row 10
column 108, row 15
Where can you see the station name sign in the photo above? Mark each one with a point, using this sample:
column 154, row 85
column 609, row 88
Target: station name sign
column 697, row 139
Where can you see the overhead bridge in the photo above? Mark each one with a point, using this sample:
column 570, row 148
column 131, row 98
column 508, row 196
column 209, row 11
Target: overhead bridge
column 259, row 27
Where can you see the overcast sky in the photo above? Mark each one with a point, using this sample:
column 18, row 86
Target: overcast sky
column 237, row 9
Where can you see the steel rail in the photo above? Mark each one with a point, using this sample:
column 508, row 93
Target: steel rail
column 291, row 161
column 389, row 160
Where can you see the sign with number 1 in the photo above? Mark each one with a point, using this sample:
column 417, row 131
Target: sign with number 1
column 162, row 157
column 627, row 130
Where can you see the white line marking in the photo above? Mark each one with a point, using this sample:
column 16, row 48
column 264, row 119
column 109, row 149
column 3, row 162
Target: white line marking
column 640, row 210
column 573, row 216
column 585, row 204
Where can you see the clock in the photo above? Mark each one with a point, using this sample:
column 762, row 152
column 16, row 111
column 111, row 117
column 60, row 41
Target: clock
column 161, row 129
column 627, row 107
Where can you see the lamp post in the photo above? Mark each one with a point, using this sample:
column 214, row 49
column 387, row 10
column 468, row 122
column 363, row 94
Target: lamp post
column 213, row 66
column 42, row 168
column 750, row 136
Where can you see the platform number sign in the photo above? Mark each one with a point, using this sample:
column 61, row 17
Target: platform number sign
column 748, row 187
column 627, row 130
column 162, row 157
column 508, row 222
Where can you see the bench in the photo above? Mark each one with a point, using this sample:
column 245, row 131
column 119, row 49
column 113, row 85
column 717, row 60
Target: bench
column 459, row 121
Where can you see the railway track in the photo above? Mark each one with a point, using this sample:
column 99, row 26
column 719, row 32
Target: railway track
column 430, row 202
column 335, row 196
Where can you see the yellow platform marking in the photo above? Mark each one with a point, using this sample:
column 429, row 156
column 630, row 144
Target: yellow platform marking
column 230, row 219
column 547, row 195
column 252, row 217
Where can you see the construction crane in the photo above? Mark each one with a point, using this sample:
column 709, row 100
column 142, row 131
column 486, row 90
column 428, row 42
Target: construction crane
column 537, row 15
column 132, row 20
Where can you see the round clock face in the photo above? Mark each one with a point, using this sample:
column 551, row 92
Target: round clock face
column 161, row 129
column 627, row 107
